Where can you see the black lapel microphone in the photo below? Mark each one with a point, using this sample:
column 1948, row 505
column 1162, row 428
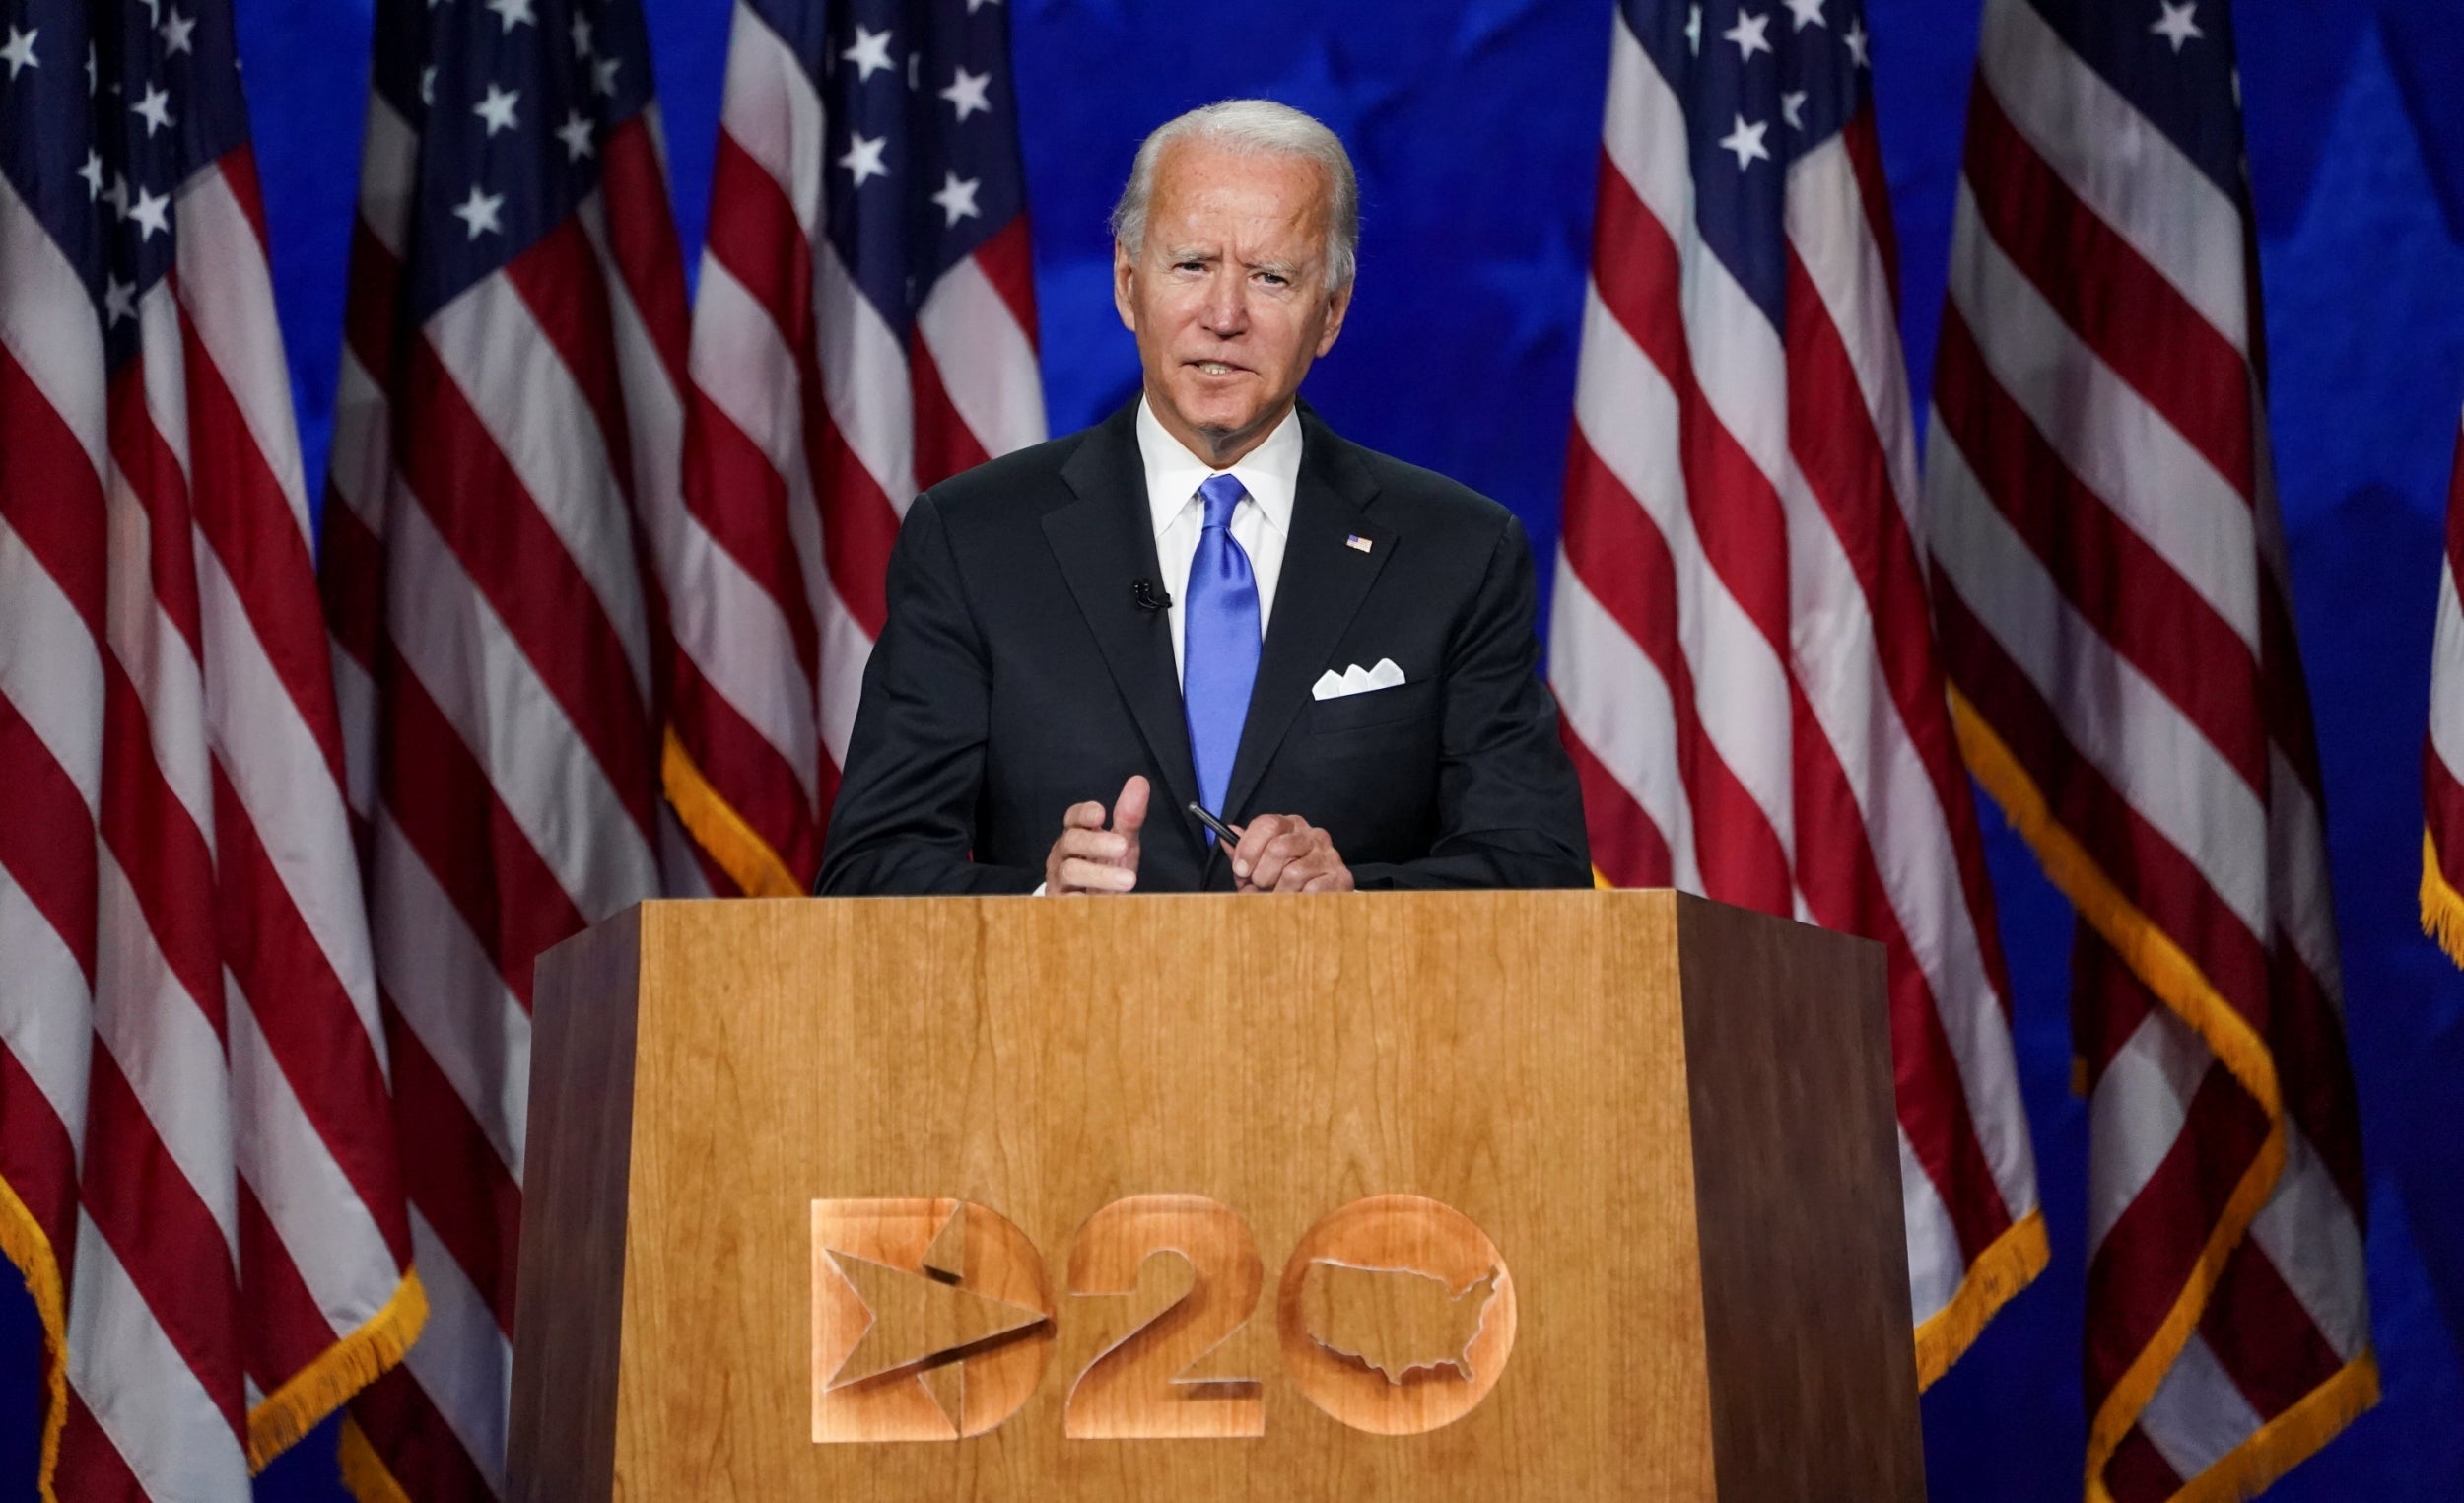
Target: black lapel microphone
column 1147, row 597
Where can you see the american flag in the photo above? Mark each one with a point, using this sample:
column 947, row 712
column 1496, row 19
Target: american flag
column 197, row 1168
column 865, row 328
column 2443, row 752
column 506, row 458
column 2110, row 586
column 1739, row 635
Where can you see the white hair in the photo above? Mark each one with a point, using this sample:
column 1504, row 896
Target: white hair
column 1260, row 128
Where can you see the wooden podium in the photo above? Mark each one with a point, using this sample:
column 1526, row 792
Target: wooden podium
column 1544, row 1195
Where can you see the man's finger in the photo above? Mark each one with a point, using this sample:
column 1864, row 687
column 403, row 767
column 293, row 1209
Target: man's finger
column 1260, row 832
column 1093, row 844
column 1280, row 853
column 1082, row 875
column 1129, row 815
column 1083, row 816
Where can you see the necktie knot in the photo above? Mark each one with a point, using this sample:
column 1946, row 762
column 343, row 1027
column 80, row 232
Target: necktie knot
column 1221, row 493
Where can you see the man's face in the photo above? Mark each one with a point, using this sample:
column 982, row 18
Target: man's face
column 1229, row 298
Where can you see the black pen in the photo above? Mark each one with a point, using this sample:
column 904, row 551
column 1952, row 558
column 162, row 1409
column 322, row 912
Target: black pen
column 1223, row 832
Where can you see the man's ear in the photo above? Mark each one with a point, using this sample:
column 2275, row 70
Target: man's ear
column 1123, row 271
column 1337, row 304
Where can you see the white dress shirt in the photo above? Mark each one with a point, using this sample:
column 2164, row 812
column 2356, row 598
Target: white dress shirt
column 1261, row 522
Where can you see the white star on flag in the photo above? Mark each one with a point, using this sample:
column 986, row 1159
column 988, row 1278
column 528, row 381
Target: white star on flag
column 175, row 31
column 514, row 13
column 153, row 214
column 155, row 110
column 479, row 212
column 603, row 75
column 575, row 134
column 1856, row 40
column 18, row 54
column 864, row 157
column 91, row 171
column 974, row 5
column 118, row 196
column 581, row 36
column 1806, row 13
column 965, row 93
column 428, row 85
column 1694, row 29
column 957, row 197
column 1747, row 142
column 1749, row 34
column 2176, row 25
column 871, row 54
column 498, row 108
column 119, row 301
column 1793, row 109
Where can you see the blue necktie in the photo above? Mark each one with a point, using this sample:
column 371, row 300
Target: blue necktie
column 1218, row 643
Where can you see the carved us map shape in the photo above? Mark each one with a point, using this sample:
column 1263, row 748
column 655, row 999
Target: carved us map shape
column 1398, row 1322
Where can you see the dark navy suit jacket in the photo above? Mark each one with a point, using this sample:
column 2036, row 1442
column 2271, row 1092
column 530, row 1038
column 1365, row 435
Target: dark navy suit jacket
column 1017, row 675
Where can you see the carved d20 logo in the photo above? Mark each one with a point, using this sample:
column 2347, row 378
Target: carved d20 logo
column 1396, row 1314
column 932, row 1318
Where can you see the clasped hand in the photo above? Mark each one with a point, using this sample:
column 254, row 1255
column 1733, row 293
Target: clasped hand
column 1278, row 852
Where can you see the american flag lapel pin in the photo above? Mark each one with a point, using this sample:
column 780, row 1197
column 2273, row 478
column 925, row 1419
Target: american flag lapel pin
column 1357, row 541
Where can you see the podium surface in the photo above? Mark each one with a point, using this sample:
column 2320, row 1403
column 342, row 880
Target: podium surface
column 1548, row 1195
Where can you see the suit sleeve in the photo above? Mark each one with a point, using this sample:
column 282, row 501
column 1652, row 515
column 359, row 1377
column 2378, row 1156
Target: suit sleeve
column 905, row 821
column 1510, row 812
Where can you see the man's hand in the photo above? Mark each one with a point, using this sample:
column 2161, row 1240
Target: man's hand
column 1284, row 853
column 1091, row 858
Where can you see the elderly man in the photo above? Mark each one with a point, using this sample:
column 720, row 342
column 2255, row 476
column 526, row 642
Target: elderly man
column 1209, row 597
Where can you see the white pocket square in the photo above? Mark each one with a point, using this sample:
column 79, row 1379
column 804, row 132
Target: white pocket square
column 1356, row 679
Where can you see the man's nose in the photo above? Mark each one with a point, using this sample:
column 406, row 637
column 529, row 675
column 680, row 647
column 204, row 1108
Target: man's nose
column 1227, row 305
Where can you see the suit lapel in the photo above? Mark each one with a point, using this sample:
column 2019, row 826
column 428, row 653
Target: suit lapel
column 1102, row 542
column 1323, row 584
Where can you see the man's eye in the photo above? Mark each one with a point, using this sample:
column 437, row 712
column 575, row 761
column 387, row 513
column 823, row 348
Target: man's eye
column 1272, row 278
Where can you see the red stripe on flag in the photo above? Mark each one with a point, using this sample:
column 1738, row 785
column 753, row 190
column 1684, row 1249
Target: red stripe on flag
column 1843, row 887
column 517, row 560
column 456, row 1178
column 440, row 799
column 742, row 503
column 154, row 476
column 559, row 281
column 38, row 1161
column 48, row 840
column 2167, row 888
column 858, row 526
column 740, row 763
column 249, row 524
column 305, row 1016
column 1627, row 845
column 641, row 240
column 2139, row 1472
column 142, row 1203
column 50, row 494
column 1008, row 263
column 2137, row 603
column 1621, row 558
column 91, row 1470
column 2263, row 1335
column 2117, row 303
column 420, row 1451
column 945, row 445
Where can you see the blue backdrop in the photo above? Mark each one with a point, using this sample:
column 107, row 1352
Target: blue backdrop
column 1476, row 123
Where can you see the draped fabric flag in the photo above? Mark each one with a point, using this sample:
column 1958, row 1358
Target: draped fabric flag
column 1738, row 636
column 197, row 1168
column 865, row 328
column 505, row 454
column 2443, row 752
column 2110, row 587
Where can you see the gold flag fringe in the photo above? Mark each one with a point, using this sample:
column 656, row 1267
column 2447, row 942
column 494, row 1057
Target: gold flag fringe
column 2442, row 907
column 22, row 1238
column 2183, row 986
column 2010, row 1263
column 358, row 1359
column 363, row 1472
column 709, row 819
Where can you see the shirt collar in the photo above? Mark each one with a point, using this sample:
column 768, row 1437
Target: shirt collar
column 1271, row 472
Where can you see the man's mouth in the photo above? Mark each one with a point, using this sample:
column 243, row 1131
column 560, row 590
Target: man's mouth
column 1214, row 368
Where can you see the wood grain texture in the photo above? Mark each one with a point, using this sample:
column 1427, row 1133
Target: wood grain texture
column 1804, row 1289
column 562, row 1429
column 1521, row 1058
